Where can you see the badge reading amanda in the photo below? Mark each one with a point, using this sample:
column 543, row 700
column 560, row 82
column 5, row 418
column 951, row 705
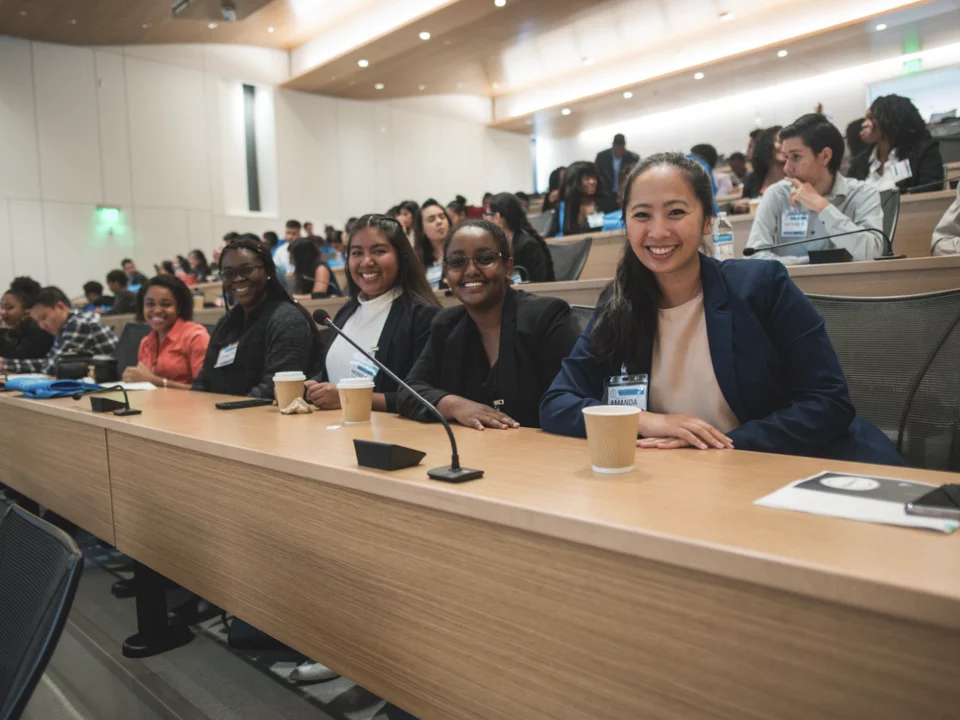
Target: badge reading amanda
column 624, row 389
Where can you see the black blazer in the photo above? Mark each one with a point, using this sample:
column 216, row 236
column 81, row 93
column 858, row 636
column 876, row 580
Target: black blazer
column 530, row 255
column 402, row 339
column 604, row 163
column 536, row 334
column 926, row 164
column 27, row 341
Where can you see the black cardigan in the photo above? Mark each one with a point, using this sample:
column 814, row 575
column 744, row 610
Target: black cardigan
column 402, row 339
column 536, row 334
column 528, row 254
column 26, row 341
column 926, row 164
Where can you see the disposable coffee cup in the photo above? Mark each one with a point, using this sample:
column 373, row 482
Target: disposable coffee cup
column 287, row 387
column 612, row 437
column 198, row 302
column 754, row 204
column 356, row 399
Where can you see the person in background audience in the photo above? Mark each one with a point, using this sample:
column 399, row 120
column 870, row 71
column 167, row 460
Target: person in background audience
column 737, row 357
column 610, row 162
column 281, row 253
column 767, row 162
column 431, row 231
column 308, row 229
column 172, row 354
column 271, row 240
column 855, row 145
column 215, row 259
column 816, row 200
column 22, row 337
column 738, row 167
column 489, row 360
column 528, row 248
column 96, row 300
column 584, row 202
column 312, row 277
column 165, row 268
column 183, row 271
column 551, row 199
column 72, row 330
column 135, row 278
column 946, row 238
column 457, row 210
column 263, row 333
column 904, row 156
column 751, row 143
column 523, row 198
column 406, row 215
column 706, row 155
column 124, row 301
column 349, row 225
column 389, row 313
column 199, row 267
column 486, row 199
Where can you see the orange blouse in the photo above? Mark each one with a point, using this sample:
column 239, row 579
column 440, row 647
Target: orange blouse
column 180, row 356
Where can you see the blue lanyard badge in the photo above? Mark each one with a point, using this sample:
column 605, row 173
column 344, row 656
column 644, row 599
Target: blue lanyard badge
column 626, row 389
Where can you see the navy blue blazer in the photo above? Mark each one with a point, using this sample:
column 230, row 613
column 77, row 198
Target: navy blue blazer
column 774, row 363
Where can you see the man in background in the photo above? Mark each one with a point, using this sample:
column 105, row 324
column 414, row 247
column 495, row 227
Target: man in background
column 135, row 277
column 707, row 156
column 96, row 300
column 281, row 253
column 610, row 161
column 124, row 301
column 738, row 168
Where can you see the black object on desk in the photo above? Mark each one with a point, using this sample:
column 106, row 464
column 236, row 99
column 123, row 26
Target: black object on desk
column 102, row 405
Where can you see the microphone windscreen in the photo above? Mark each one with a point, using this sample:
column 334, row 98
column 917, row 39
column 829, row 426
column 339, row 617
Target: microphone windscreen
column 320, row 316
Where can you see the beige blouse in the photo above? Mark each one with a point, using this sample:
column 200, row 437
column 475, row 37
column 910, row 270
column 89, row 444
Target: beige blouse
column 682, row 378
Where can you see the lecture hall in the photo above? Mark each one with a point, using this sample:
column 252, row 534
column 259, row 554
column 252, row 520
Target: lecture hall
column 479, row 359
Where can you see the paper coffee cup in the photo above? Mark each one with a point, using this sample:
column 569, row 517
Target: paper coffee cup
column 356, row 399
column 612, row 437
column 754, row 204
column 287, row 387
column 198, row 302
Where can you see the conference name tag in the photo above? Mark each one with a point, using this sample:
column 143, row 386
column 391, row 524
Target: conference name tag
column 794, row 224
column 360, row 367
column 901, row 170
column 595, row 220
column 227, row 355
column 628, row 390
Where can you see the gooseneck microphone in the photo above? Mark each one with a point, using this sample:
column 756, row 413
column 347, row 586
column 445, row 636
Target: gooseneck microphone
column 101, row 405
column 453, row 473
column 887, row 243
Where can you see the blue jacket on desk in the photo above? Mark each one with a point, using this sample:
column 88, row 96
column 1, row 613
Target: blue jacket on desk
column 773, row 361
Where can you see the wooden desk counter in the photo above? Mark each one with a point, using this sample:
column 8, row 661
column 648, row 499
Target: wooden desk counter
column 660, row 593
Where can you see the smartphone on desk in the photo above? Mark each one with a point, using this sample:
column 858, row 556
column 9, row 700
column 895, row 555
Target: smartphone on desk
column 240, row 404
column 944, row 503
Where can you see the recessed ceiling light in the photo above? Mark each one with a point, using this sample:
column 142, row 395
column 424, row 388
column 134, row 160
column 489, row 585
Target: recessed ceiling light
column 212, row 26
column 627, row 95
column 424, row 35
column 421, row 88
column 496, row 86
column 446, row 42
column 378, row 86
column 587, row 61
column 147, row 26
column 23, row 12
column 880, row 28
column 71, row 22
column 363, row 63
column 782, row 54
column 566, row 111
column 726, row 16
column 499, row 3
column 698, row 76
column 270, row 29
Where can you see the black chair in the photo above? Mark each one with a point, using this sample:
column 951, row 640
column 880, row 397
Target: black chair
column 582, row 314
column 900, row 356
column 129, row 345
column 40, row 569
column 541, row 222
column 890, row 203
column 569, row 258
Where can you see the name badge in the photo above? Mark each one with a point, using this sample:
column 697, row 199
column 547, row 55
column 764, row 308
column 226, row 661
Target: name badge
column 627, row 390
column 901, row 170
column 360, row 367
column 595, row 220
column 794, row 224
column 434, row 276
column 227, row 355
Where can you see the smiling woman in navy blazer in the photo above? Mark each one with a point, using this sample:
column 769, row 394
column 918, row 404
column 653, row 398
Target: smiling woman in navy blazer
column 738, row 357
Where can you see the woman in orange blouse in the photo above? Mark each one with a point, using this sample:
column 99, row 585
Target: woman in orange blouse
column 172, row 354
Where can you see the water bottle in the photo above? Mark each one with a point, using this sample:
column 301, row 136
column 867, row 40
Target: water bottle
column 722, row 238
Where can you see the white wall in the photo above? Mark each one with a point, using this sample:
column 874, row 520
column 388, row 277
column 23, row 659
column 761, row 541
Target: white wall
column 152, row 130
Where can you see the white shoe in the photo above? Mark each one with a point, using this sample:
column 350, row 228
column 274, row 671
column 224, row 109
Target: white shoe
column 310, row 672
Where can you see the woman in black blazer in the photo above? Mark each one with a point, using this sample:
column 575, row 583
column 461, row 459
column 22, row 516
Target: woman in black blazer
column 584, row 197
column 390, row 309
column 489, row 361
column 529, row 249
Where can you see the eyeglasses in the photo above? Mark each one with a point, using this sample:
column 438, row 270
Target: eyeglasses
column 483, row 259
column 239, row 273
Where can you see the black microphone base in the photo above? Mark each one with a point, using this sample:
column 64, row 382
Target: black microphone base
column 891, row 257
column 385, row 456
column 448, row 474
column 101, row 404
column 124, row 412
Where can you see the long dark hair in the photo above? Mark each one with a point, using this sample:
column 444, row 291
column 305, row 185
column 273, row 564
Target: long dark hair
column 900, row 123
column 627, row 324
column 304, row 255
column 512, row 212
column 421, row 242
column 572, row 194
column 553, row 184
column 181, row 294
column 202, row 272
column 764, row 150
column 25, row 289
column 414, row 288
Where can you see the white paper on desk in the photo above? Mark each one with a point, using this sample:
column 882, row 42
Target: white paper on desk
column 125, row 385
column 857, row 497
column 28, row 376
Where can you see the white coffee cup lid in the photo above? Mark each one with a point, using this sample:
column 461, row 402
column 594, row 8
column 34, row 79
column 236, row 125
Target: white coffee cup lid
column 289, row 376
column 612, row 410
column 348, row 383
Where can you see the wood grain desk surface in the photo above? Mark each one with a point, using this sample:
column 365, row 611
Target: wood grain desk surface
column 686, row 508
